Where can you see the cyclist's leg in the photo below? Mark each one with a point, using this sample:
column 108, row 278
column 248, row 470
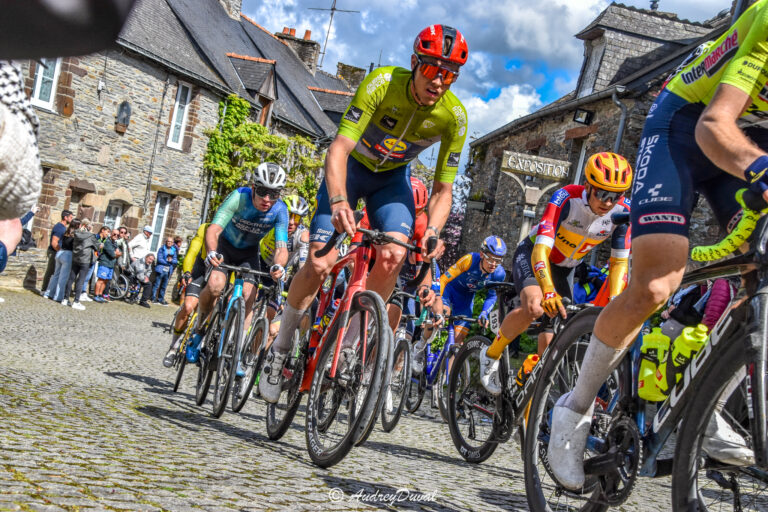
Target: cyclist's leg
column 389, row 201
column 661, row 204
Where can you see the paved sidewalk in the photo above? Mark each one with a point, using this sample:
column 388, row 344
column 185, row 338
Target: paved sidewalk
column 88, row 420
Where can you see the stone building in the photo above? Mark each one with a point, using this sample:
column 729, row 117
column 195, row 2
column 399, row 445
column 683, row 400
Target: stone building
column 122, row 134
column 628, row 53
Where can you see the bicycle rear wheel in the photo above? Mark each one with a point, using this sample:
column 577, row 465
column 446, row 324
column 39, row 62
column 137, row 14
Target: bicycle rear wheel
column 471, row 408
column 250, row 358
column 229, row 348
column 398, row 386
column 338, row 408
column 280, row 415
column 417, row 387
column 557, row 377
column 700, row 482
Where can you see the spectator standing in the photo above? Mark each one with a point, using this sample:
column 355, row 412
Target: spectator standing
column 56, row 233
column 83, row 254
column 122, row 244
column 167, row 258
column 58, row 281
column 108, row 255
column 142, row 268
column 139, row 246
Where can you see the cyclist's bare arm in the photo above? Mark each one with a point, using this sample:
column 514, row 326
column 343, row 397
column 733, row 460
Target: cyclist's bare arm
column 439, row 208
column 212, row 237
column 718, row 135
column 342, row 215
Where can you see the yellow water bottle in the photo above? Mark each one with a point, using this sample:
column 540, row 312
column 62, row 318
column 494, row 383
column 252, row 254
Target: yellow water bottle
column 685, row 347
column 526, row 368
column 653, row 353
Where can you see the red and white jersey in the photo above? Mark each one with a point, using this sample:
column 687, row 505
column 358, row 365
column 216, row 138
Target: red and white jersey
column 571, row 229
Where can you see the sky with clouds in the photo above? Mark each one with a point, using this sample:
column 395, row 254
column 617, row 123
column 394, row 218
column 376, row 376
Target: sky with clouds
column 522, row 54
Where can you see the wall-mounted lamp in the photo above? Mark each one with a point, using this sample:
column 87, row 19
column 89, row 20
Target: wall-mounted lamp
column 583, row 116
column 123, row 118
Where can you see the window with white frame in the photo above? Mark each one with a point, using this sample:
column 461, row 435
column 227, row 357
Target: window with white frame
column 162, row 205
column 46, row 79
column 114, row 214
column 179, row 121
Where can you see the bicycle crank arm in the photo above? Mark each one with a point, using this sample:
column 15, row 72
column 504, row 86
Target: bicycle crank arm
column 605, row 463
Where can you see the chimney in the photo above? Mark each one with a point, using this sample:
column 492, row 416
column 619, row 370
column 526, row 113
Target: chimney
column 352, row 74
column 233, row 8
column 307, row 50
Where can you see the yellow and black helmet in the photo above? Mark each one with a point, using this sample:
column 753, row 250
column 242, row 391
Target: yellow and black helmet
column 609, row 171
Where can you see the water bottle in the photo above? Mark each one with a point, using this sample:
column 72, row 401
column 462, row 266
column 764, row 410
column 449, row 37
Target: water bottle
column 526, row 368
column 653, row 353
column 329, row 312
column 685, row 347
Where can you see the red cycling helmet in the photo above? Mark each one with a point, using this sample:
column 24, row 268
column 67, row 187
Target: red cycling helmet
column 442, row 42
column 420, row 194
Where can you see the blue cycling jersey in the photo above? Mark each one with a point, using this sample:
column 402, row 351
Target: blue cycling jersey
column 465, row 277
column 244, row 225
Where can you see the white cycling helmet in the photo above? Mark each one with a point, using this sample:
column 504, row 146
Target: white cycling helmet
column 296, row 204
column 269, row 175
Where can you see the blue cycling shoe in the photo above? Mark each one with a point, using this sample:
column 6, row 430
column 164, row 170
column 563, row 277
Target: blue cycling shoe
column 193, row 349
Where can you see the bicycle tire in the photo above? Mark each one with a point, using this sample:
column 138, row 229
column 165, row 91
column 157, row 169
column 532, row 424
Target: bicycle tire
column 181, row 356
column 280, row 417
column 440, row 386
column 571, row 342
column 686, row 474
column 417, row 388
column 377, row 386
column 358, row 408
column 118, row 286
column 226, row 366
column 205, row 370
column 468, row 400
column 251, row 358
column 398, row 385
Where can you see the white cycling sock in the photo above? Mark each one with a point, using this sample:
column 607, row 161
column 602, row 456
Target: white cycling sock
column 288, row 324
column 599, row 361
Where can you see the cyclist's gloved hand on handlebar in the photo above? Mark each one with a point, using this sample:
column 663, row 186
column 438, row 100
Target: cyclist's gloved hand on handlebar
column 757, row 176
column 426, row 296
column 213, row 259
column 482, row 319
column 277, row 272
column 553, row 304
column 439, row 248
column 186, row 278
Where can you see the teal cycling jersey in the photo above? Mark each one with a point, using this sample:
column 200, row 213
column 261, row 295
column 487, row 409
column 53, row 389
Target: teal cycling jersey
column 244, row 225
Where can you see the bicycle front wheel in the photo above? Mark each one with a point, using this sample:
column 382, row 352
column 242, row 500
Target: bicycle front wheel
column 228, row 351
column 118, row 286
column 699, row 480
column 181, row 357
column 440, row 387
column 339, row 407
column 280, row 415
column 558, row 377
column 395, row 392
column 206, row 361
column 471, row 408
column 250, row 359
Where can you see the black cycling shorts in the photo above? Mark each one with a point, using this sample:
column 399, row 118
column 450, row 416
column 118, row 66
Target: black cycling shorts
column 198, row 279
column 522, row 271
column 239, row 258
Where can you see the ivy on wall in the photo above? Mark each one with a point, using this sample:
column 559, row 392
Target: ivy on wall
column 238, row 146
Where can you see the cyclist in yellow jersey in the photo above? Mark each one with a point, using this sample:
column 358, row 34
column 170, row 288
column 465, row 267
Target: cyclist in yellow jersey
column 193, row 269
column 395, row 114
column 704, row 133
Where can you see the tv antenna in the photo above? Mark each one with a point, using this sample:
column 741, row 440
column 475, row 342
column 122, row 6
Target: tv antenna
column 333, row 10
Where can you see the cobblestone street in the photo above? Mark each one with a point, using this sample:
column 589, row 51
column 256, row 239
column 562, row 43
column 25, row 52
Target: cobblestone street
column 89, row 421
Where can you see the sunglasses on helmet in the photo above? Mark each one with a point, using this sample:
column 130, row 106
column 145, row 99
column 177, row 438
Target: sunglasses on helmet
column 267, row 193
column 606, row 195
column 430, row 69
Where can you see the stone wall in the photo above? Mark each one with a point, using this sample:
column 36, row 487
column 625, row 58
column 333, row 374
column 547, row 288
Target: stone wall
column 87, row 163
column 556, row 137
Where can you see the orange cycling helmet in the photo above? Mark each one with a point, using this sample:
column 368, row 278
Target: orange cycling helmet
column 442, row 42
column 609, row 171
column 420, row 194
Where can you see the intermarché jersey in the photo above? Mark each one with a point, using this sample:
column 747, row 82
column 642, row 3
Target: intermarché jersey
column 571, row 229
column 391, row 129
column 244, row 225
column 467, row 277
column 739, row 58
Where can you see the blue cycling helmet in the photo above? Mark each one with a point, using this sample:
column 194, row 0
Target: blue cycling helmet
column 495, row 246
